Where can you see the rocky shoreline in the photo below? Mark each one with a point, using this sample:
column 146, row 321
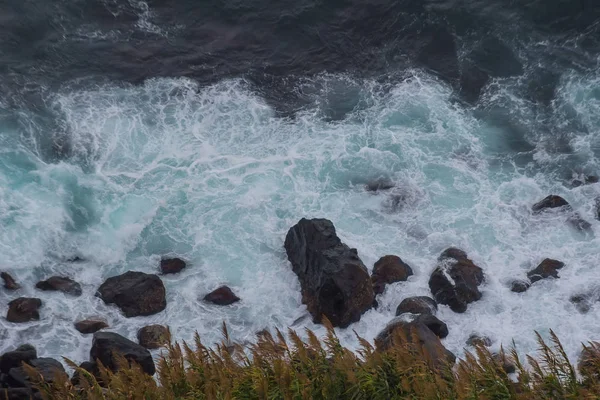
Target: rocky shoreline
column 334, row 281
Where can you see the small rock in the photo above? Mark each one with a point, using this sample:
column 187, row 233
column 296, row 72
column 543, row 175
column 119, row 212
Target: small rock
column 13, row 359
column 389, row 269
column 519, row 286
column 551, row 201
column 476, row 340
column 547, row 268
column 432, row 322
column 135, row 293
column 106, row 344
column 584, row 180
column 379, row 185
column 90, row 325
column 24, row 309
column 507, row 365
column 417, row 305
column 61, row 284
column 153, row 336
column 9, row 281
column 222, row 296
column 456, row 280
column 172, row 265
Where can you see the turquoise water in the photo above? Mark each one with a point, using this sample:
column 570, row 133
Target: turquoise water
column 213, row 175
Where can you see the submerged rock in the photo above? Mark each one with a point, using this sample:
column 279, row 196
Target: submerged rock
column 24, row 309
column 379, row 185
column 417, row 305
column 222, row 296
column 153, row 336
column 477, row 340
column 172, row 265
column 135, row 293
column 399, row 330
column 455, row 282
column 13, row 359
column 334, row 280
column 91, row 325
column 547, row 268
column 61, row 284
column 550, row 202
column 519, row 286
column 9, row 281
column 389, row 269
column 439, row 53
column 107, row 344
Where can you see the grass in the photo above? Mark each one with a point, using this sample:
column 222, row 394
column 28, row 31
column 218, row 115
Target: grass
column 278, row 368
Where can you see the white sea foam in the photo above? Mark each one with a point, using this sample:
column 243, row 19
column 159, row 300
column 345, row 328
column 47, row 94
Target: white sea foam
column 212, row 175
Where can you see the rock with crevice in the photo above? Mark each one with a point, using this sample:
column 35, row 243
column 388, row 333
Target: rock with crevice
column 9, row 281
column 335, row 283
column 456, row 280
column 91, row 325
column 60, row 284
column 107, row 345
column 389, row 269
column 417, row 305
column 24, row 309
column 222, row 296
column 135, row 293
column 547, row 269
column 172, row 265
column 438, row 327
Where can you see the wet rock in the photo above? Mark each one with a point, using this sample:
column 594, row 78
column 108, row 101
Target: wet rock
column 472, row 81
column 584, row 180
column 48, row 368
column 106, row 344
column 14, row 359
column 91, row 325
column 417, row 305
column 379, row 185
column 24, row 309
column 9, row 281
column 547, row 268
column 222, row 296
column 153, row 336
column 588, row 359
column 582, row 302
column 135, row 293
column 597, row 208
column 389, row 269
column 455, row 282
column 334, row 280
column 439, row 53
column 550, row 202
column 172, row 265
column 61, row 284
column 579, row 223
column 496, row 59
column 519, row 286
column 507, row 365
column 439, row 328
column 90, row 367
column 16, row 394
column 476, row 340
column 399, row 328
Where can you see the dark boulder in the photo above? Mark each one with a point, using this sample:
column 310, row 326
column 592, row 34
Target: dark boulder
column 439, row 54
column 439, row 328
column 14, row 359
column 9, row 281
column 584, row 301
column 455, row 282
column 222, row 296
column 334, row 280
column 389, row 269
column 135, row 293
column 90, row 367
column 107, row 344
column 584, row 180
column 48, row 368
column 61, row 284
column 400, row 331
column 172, row 265
column 153, row 336
column 477, row 340
column 472, row 81
column 90, row 325
column 16, row 394
column 417, row 305
column 550, row 202
column 519, row 286
column 505, row 362
column 547, row 268
column 24, row 309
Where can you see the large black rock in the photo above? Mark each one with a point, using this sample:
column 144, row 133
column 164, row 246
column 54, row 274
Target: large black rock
column 135, row 293
column 14, row 359
column 24, row 309
column 334, row 280
column 48, row 368
column 455, row 282
column 106, row 345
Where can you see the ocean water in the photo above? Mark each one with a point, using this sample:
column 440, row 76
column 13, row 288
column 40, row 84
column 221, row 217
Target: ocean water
column 215, row 166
